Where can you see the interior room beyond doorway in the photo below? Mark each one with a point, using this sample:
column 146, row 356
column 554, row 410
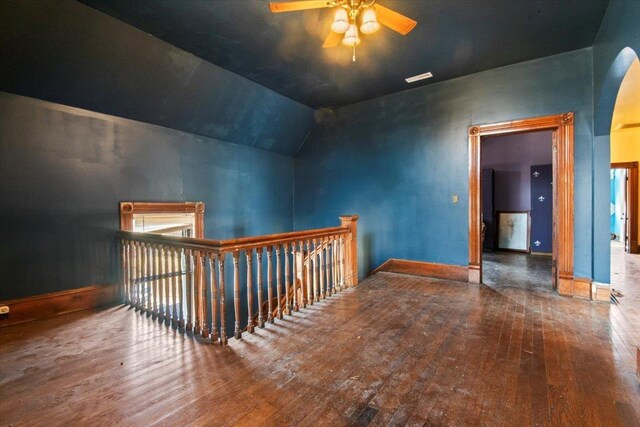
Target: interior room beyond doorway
column 517, row 210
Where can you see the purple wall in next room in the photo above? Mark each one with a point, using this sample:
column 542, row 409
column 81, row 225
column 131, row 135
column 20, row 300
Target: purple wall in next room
column 511, row 157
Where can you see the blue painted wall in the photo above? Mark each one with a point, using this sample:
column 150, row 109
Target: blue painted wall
column 397, row 160
column 617, row 44
column 63, row 171
column 66, row 52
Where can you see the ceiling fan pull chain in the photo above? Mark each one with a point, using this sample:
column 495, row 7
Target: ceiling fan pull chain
column 353, row 58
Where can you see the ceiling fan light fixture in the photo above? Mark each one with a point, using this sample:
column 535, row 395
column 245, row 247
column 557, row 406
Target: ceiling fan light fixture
column 370, row 22
column 351, row 36
column 340, row 23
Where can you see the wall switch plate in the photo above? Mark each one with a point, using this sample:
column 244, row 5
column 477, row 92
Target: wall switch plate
column 4, row 309
column 454, row 199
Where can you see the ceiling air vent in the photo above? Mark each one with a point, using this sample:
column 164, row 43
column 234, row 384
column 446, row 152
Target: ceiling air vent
column 418, row 77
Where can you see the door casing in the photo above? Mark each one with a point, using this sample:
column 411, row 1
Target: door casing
column 562, row 127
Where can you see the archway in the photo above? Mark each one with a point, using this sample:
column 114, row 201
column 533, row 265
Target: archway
column 605, row 105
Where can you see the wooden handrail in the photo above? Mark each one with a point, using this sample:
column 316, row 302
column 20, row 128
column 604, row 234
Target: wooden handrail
column 182, row 280
column 231, row 245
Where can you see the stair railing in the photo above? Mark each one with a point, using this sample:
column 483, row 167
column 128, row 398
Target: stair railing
column 182, row 280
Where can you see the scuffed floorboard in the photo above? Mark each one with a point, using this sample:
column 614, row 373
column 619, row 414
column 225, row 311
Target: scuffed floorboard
column 396, row 350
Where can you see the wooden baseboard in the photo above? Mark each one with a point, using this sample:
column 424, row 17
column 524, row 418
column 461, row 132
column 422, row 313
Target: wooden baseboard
column 582, row 287
column 601, row 292
column 47, row 305
column 585, row 288
column 427, row 269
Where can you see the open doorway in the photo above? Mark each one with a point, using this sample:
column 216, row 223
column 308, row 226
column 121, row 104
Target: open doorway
column 624, row 221
column 562, row 129
column 517, row 210
column 625, row 156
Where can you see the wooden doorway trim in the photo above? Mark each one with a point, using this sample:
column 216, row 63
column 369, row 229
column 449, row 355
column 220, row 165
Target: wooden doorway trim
column 632, row 202
column 561, row 126
column 127, row 209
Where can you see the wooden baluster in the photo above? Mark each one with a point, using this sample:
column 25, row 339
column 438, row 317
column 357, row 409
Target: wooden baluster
column 189, row 289
column 308, row 278
column 348, row 274
column 269, row 283
column 287, row 281
column 343, row 264
column 160, row 273
column 322, row 289
column 160, row 277
column 181, row 282
column 203, row 296
column 176, row 279
column 339, row 262
column 154, row 280
column 278, row 282
column 336, row 261
column 327, row 258
column 213, row 290
column 142, row 271
column 314, row 268
column 147, row 282
column 333, row 265
column 197, row 293
column 159, row 287
column 132, row 273
column 222, row 294
column 300, row 273
column 296, row 295
column 123, row 271
column 167, row 285
column 327, row 265
column 148, row 295
column 261, row 317
column 236, row 294
column 139, row 272
column 250, row 322
column 336, row 265
column 334, row 272
column 330, row 285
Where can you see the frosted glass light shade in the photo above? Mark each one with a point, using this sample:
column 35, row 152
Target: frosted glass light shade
column 340, row 23
column 369, row 22
column 351, row 37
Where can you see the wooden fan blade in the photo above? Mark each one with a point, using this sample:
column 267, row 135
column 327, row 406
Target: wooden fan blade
column 394, row 20
column 292, row 6
column 332, row 40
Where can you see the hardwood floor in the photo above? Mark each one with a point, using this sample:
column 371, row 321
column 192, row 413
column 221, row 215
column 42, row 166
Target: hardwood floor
column 398, row 350
column 519, row 270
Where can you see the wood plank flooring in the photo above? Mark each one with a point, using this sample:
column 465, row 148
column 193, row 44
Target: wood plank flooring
column 398, row 350
column 518, row 270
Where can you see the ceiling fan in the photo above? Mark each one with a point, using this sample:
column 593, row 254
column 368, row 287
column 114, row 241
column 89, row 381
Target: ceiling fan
column 345, row 22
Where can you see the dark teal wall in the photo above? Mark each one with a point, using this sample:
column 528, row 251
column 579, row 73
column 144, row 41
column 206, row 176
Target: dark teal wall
column 65, row 52
column 397, row 160
column 63, row 171
column 617, row 44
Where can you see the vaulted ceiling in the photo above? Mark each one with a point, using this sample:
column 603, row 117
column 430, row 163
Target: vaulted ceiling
column 283, row 51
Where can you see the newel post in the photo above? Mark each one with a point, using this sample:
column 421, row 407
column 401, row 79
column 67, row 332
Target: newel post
column 351, row 221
